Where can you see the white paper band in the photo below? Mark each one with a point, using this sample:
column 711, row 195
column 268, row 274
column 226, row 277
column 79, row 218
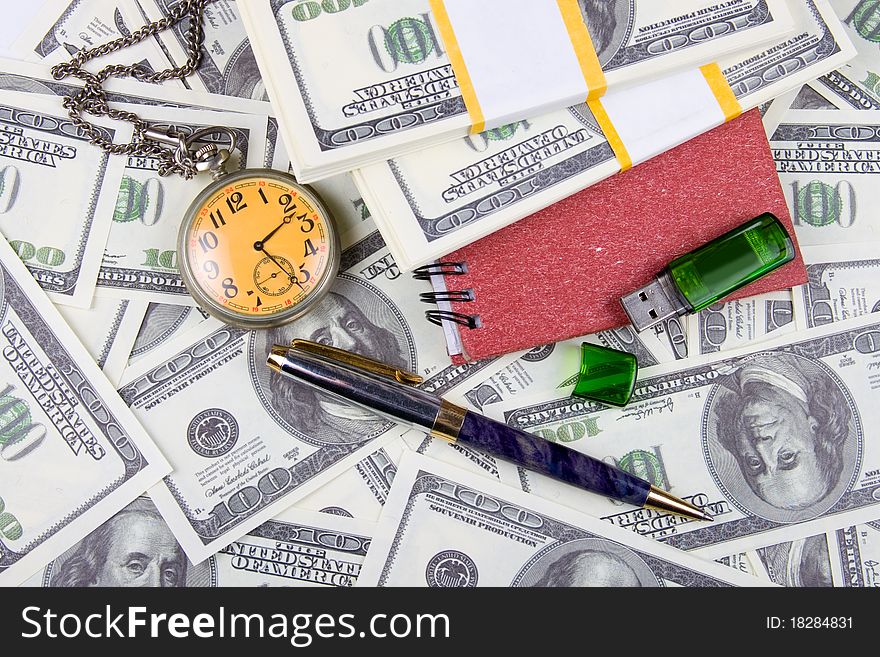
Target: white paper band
column 649, row 119
column 518, row 58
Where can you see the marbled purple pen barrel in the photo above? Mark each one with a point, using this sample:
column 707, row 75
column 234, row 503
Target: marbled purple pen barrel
column 418, row 408
column 552, row 459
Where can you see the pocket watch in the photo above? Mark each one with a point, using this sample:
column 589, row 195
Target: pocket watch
column 256, row 249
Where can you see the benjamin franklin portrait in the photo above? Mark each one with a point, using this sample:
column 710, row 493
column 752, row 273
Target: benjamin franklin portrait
column 608, row 22
column 781, row 438
column 589, row 562
column 356, row 317
column 134, row 548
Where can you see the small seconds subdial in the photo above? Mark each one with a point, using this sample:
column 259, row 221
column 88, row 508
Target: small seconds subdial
column 275, row 276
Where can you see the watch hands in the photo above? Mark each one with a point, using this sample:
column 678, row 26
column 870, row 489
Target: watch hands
column 293, row 277
column 260, row 244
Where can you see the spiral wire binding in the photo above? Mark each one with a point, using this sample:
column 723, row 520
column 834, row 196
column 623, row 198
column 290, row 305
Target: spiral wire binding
column 456, row 295
column 461, row 296
column 440, row 269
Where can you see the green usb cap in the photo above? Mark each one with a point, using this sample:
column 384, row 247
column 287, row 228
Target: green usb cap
column 607, row 375
column 705, row 276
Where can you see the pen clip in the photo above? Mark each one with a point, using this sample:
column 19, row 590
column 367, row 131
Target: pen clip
column 357, row 361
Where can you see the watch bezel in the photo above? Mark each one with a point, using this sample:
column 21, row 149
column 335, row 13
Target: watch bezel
column 217, row 310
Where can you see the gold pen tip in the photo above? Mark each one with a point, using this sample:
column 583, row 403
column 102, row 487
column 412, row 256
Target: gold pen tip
column 660, row 500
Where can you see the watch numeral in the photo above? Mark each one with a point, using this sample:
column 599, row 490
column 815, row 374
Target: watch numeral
column 217, row 219
column 236, row 202
column 212, row 269
column 305, row 272
column 305, row 219
column 287, row 201
column 263, row 196
column 229, row 288
column 310, row 249
column 208, row 242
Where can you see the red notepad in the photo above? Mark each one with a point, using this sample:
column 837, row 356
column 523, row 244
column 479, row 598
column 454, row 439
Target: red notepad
column 559, row 274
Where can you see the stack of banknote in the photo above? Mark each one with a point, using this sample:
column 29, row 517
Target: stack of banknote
column 358, row 83
column 764, row 411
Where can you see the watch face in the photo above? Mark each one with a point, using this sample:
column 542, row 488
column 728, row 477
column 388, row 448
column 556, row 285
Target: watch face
column 258, row 248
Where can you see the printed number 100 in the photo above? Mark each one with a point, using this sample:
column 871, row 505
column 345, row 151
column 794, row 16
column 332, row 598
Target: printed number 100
column 250, row 498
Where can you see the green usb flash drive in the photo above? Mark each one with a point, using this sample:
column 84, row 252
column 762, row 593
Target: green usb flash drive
column 705, row 276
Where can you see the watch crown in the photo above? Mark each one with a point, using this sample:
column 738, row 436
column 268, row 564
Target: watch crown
column 211, row 158
column 206, row 150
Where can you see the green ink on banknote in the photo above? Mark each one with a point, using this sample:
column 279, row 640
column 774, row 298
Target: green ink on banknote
column 646, row 465
column 502, row 133
column 409, row 41
column 865, row 20
column 132, row 202
column 819, row 204
column 571, row 432
column 10, row 527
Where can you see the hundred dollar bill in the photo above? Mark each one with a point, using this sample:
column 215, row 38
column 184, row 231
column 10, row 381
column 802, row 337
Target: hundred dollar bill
column 737, row 324
column 828, row 166
column 774, row 441
column 444, row 527
column 63, row 28
column 847, row 557
column 243, row 441
column 361, row 491
column 140, row 257
column 108, row 331
column 71, row 453
column 844, row 282
column 435, row 201
column 772, row 112
column 57, row 193
column 370, row 80
column 228, row 66
column 135, row 548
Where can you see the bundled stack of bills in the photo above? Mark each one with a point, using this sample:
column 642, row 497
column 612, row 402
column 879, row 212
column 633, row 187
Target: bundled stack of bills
column 762, row 411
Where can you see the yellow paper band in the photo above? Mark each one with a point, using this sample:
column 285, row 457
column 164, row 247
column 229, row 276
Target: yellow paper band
column 453, row 51
column 583, row 48
column 722, row 91
column 611, row 135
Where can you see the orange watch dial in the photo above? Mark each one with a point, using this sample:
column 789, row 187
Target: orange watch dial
column 258, row 246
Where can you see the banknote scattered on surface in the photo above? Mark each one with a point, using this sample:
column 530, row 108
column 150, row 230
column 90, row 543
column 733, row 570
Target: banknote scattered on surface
column 444, row 527
column 71, row 453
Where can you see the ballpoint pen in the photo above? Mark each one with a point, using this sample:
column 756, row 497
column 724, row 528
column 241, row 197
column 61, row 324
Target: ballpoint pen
column 389, row 392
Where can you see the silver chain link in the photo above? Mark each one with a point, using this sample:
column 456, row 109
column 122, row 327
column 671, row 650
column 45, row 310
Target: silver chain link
column 92, row 98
